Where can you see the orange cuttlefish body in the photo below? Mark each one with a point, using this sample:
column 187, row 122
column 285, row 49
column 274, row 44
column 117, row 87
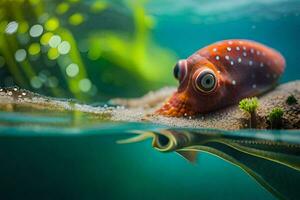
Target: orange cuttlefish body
column 222, row 74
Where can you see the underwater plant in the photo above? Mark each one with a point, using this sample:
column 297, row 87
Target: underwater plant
column 275, row 118
column 291, row 100
column 81, row 49
column 249, row 105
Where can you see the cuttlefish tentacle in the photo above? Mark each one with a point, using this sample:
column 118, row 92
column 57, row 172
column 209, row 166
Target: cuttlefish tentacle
column 166, row 141
column 142, row 135
column 163, row 140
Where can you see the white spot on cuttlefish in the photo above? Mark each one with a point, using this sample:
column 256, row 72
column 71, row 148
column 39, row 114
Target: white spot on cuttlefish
column 214, row 49
column 239, row 60
column 233, row 82
column 227, row 57
column 254, row 86
column 244, row 54
column 244, row 48
column 252, row 50
column 237, row 48
column 23, row 93
column 228, row 48
column 250, row 62
column 9, row 93
column 232, row 63
column 230, row 42
column 261, row 64
column 218, row 71
column 217, row 57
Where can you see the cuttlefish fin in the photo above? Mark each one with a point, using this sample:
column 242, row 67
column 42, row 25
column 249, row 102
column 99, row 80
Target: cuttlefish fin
column 190, row 156
column 143, row 135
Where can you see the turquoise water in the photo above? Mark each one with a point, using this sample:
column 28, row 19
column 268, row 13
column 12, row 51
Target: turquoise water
column 94, row 167
column 47, row 158
column 83, row 161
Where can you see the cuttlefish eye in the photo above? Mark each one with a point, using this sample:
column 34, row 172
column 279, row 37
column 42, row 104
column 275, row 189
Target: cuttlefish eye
column 180, row 69
column 176, row 71
column 206, row 81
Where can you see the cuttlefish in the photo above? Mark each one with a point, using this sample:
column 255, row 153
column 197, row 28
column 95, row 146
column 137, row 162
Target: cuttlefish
column 222, row 74
column 272, row 159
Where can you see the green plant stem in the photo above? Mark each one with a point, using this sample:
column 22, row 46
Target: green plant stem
column 253, row 120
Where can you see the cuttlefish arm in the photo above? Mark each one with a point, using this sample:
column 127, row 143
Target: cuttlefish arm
column 142, row 135
column 164, row 141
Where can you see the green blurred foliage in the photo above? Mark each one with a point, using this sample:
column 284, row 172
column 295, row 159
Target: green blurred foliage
column 89, row 50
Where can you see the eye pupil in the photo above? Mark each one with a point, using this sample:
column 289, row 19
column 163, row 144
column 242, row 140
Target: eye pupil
column 207, row 81
column 176, row 71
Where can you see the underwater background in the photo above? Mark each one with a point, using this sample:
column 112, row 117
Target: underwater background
column 96, row 50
